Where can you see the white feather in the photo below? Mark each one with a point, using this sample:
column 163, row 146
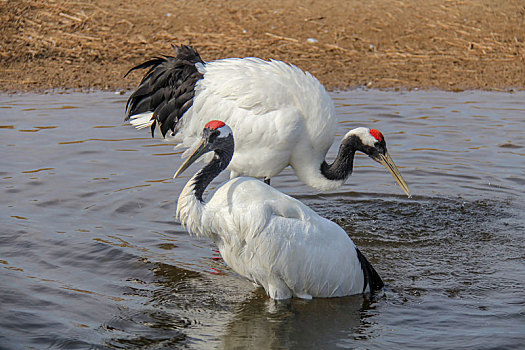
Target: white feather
column 279, row 115
column 141, row 121
column 274, row 240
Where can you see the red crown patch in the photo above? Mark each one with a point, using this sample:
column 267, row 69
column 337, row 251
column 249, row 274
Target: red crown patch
column 214, row 124
column 376, row 134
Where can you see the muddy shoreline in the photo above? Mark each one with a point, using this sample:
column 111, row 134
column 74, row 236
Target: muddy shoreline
column 449, row 45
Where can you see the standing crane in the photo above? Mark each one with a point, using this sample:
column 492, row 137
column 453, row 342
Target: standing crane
column 270, row 238
column 279, row 114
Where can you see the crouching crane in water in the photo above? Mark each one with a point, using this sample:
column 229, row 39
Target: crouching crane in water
column 279, row 115
column 268, row 237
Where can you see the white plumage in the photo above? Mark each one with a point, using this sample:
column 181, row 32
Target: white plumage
column 274, row 110
column 279, row 114
column 274, row 240
column 268, row 237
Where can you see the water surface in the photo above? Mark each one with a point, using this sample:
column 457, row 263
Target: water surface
column 92, row 256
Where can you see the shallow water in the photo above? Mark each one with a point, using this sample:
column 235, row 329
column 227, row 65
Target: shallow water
column 91, row 255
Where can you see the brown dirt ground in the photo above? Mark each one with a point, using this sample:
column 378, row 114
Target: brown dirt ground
column 444, row 44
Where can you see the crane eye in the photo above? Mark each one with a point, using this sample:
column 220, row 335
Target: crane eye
column 213, row 136
column 380, row 147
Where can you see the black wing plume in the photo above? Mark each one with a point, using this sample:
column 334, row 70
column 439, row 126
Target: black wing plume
column 167, row 89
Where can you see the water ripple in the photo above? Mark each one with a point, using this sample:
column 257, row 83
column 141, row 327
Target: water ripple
column 91, row 255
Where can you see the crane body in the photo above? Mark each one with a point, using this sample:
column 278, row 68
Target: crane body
column 279, row 114
column 268, row 237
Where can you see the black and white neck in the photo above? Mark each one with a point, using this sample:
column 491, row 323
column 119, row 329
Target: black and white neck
column 323, row 176
column 217, row 138
column 205, row 176
column 359, row 139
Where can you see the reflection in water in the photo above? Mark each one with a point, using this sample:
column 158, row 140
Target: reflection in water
column 179, row 306
column 262, row 323
column 187, row 307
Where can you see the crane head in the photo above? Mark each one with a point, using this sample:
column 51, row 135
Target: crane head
column 216, row 136
column 372, row 143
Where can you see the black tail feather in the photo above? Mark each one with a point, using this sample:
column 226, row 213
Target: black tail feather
column 167, row 88
column 372, row 278
column 155, row 61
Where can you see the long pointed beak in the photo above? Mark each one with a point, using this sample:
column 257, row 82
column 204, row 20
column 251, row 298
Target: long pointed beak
column 201, row 149
column 392, row 168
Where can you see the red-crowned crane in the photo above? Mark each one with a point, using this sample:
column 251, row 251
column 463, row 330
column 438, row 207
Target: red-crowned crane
column 270, row 238
column 279, row 114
